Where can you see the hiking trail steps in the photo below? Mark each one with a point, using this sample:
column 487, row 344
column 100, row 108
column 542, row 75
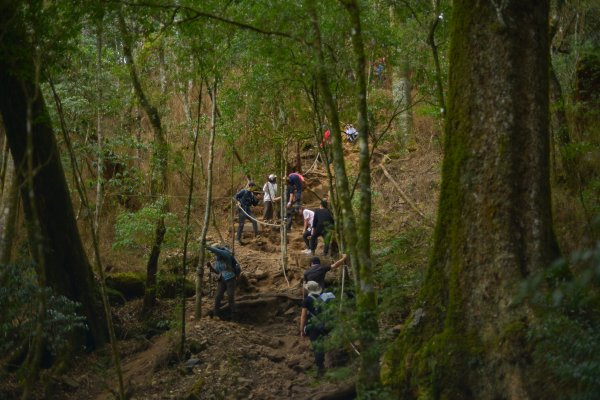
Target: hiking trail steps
column 259, row 356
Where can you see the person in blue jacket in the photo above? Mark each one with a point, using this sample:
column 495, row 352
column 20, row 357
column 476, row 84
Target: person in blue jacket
column 228, row 269
column 246, row 199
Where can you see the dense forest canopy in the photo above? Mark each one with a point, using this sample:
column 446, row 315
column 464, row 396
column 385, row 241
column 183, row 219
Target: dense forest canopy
column 468, row 205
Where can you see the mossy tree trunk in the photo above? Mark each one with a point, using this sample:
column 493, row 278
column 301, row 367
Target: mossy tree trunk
column 368, row 378
column 356, row 228
column 158, row 173
column 468, row 338
column 67, row 269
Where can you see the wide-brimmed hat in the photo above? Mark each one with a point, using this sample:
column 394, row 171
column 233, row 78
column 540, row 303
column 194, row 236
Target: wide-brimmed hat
column 312, row 287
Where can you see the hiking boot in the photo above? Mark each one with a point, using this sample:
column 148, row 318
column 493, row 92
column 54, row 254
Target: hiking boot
column 306, row 251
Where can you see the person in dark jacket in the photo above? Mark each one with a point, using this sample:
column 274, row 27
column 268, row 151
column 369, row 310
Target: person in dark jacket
column 316, row 272
column 227, row 267
column 321, row 226
column 310, row 324
column 246, row 199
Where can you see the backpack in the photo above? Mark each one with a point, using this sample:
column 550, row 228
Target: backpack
column 315, row 322
column 237, row 268
column 232, row 265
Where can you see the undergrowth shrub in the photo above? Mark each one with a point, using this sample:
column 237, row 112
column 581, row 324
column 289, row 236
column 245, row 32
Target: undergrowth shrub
column 399, row 262
column 136, row 230
column 566, row 336
column 18, row 313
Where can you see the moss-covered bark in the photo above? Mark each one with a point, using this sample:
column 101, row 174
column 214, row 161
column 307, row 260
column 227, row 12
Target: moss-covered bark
column 356, row 228
column 494, row 223
column 67, row 269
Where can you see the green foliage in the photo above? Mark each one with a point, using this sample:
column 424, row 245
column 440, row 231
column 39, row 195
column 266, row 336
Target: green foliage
column 135, row 230
column 19, row 308
column 570, row 349
column 567, row 334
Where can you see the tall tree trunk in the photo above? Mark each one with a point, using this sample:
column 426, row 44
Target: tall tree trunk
column 401, row 92
column 9, row 207
column 562, row 134
column 67, row 269
column 556, row 95
column 468, row 339
column 439, row 84
column 368, row 378
column 188, row 212
column 207, row 209
column 158, row 179
column 401, row 89
column 357, row 236
column 3, row 160
column 99, row 133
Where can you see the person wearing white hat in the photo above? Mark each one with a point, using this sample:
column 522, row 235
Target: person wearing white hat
column 309, row 325
column 269, row 197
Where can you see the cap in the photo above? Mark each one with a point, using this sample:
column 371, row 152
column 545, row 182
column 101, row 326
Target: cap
column 251, row 184
column 312, row 287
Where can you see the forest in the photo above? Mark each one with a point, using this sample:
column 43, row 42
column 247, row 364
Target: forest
column 301, row 199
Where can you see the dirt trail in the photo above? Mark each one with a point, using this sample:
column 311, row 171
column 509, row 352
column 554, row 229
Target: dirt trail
column 259, row 356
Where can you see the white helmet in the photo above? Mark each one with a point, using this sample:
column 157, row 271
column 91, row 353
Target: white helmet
column 272, row 177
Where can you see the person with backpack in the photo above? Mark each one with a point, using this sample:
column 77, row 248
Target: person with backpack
column 269, row 193
column 322, row 224
column 316, row 272
column 312, row 321
column 228, row 269
column 246, row 199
